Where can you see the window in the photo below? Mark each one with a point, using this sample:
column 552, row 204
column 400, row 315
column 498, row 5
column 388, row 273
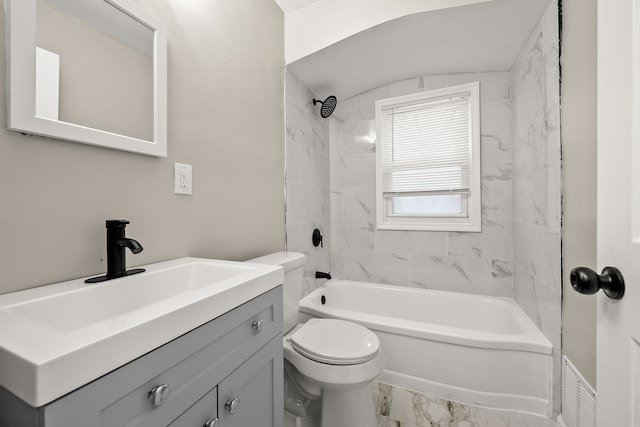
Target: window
column 428, row 160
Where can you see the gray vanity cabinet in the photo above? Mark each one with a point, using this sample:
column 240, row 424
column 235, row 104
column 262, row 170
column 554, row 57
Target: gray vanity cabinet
column 245, row 398
column 194, row 378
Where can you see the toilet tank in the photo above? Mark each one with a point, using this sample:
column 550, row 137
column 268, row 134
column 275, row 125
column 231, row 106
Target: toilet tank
column 293, row 264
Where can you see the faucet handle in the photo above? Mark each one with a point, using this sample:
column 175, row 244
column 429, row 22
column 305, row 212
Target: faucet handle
column 115, row 223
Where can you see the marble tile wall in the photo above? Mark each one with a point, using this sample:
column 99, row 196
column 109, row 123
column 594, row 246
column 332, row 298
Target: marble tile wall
column 479, row 263
column 537, row 183
column 399, row 407
column 307, row 179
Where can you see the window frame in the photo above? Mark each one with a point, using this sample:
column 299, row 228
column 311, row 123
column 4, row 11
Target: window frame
column 441, row 222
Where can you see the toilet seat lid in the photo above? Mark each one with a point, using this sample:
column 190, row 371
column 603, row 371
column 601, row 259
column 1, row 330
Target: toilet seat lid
column 335, row 342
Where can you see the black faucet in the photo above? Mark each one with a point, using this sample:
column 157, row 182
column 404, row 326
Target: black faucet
column 116, row 256
column 321, row 275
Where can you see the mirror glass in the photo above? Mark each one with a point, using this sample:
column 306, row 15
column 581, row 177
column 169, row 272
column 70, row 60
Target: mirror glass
column 99, row 66
column 91, row 72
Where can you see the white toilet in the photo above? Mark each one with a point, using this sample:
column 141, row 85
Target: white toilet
column 329, row 363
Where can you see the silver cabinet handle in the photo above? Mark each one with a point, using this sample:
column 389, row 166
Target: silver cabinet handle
column 258, row 325
column 159, row 394
column 212, row 422
column 232, row 406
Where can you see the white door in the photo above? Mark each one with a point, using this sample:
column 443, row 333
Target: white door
column 618, row 354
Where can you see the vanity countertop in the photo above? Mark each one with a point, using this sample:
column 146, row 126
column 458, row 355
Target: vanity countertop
column 58, row 337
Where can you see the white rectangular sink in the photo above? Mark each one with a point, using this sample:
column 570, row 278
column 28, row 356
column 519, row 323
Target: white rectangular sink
column 59, row 337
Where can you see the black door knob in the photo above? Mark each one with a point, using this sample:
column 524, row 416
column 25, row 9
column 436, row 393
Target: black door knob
column 588, row 282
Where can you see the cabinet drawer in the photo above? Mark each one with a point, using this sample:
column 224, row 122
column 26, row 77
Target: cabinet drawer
column 203, row 410
column 191, row 365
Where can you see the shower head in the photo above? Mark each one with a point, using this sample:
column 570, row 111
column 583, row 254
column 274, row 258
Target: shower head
column 328, row 105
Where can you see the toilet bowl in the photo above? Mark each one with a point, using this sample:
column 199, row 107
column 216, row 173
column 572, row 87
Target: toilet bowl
column 338, row 374
column 329, row 363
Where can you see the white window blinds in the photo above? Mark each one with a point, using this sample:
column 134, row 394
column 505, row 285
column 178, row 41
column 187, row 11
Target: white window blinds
column 426, row 146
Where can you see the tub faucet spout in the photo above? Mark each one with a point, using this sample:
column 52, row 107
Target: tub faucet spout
column 321, row 275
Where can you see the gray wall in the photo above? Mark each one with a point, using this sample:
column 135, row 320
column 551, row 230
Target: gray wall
column 225, row 90
column 579, row 167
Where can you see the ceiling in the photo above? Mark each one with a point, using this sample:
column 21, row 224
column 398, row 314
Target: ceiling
column 289, row 5
column 475, row 38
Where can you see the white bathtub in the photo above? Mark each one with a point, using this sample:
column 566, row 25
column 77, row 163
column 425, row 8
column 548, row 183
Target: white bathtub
column 472, row 349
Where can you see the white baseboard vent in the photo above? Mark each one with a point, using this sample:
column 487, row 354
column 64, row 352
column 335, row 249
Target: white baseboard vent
column 578, row 398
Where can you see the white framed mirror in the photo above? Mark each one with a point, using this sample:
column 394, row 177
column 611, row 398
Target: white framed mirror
column 91, row 71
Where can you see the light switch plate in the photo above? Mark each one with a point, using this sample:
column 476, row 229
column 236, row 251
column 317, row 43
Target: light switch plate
column 183, row 180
